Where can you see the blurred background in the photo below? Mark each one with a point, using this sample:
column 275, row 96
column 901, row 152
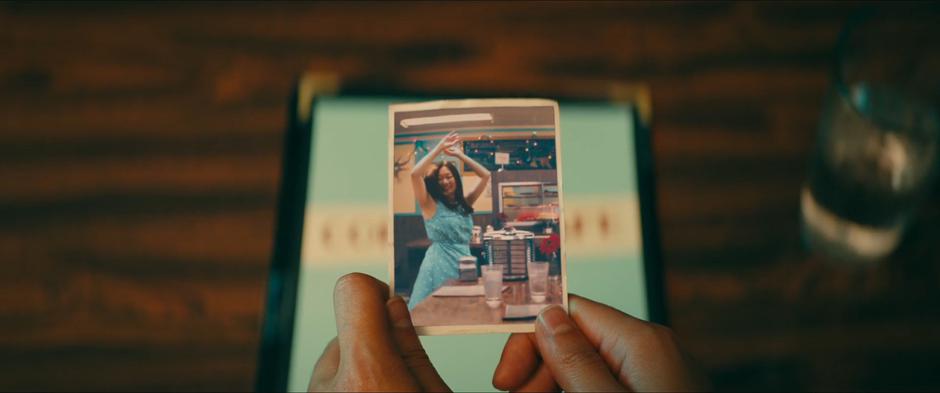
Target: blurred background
column 140, row 148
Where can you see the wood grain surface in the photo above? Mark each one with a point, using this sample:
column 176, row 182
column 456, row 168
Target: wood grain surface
column 473, row 310
column 140, row 147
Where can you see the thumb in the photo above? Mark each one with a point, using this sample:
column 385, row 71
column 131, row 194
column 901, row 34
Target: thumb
column 572, row 359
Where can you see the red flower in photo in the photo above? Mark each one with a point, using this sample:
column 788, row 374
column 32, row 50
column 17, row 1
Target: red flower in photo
column 550, row 244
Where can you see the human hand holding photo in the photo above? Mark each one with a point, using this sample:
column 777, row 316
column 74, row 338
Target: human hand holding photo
column 377, row 348
column 596, row 348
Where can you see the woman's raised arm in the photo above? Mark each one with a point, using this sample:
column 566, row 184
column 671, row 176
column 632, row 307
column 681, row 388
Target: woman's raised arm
column 484, row 174
column 422, row 167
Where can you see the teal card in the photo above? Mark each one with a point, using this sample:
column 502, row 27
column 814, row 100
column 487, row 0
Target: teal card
column 348, row 194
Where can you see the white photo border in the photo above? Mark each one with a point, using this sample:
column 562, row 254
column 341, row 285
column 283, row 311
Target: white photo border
column 474, row 103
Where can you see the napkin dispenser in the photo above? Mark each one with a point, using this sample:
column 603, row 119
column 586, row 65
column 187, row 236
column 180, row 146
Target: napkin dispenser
column 468, row 268
column 510, row 248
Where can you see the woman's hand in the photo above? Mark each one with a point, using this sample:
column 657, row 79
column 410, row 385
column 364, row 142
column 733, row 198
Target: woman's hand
column 454, row 151
column 597, row 348
column 449, row 142
column 377, row 348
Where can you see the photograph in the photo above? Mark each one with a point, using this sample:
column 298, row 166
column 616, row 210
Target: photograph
column 475, row 189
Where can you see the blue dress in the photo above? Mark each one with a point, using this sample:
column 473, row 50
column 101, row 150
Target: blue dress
column 449, row 232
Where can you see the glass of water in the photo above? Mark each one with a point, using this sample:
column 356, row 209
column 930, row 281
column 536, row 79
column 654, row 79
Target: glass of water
column 493, row 284
column 538, row 280
column 876, row 153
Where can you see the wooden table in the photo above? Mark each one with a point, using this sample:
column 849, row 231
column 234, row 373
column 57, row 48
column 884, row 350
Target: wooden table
column 140, row 150
column 473, row 310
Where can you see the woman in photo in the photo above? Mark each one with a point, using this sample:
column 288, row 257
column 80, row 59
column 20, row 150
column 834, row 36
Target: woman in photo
column 447, row 214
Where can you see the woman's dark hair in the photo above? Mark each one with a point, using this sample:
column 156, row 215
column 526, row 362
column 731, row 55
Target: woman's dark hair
column 459, row 204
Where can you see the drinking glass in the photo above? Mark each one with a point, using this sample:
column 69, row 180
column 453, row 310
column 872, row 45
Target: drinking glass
column 493, row 284
column 538, row 280
column 876, row 152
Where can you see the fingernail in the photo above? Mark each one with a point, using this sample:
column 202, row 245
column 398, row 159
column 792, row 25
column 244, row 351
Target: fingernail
column 555, row 320
column 398, row 312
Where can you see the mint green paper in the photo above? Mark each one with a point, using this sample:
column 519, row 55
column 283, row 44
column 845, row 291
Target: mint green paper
column 348, row 167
